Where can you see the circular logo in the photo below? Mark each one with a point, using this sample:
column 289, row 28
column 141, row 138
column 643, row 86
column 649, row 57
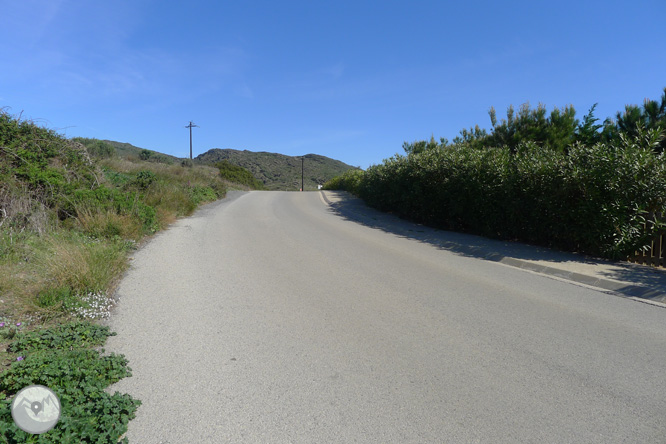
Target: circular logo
column 36, row 409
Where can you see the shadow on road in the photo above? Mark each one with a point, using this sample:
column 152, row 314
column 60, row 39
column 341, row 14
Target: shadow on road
column 354, row 209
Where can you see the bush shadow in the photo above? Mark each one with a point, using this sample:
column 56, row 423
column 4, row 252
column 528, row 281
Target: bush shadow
column 535, row 258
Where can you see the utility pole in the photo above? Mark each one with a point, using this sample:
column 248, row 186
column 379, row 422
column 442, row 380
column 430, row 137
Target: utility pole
column 302, row 172
column 190, row 126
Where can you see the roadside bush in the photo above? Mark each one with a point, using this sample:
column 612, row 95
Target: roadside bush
column 201, row 194
column 607, row 199
column 45, row 165
column 348, row 181
column 144, row 178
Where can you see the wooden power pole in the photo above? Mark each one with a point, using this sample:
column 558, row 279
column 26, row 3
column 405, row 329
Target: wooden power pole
column 190, row 126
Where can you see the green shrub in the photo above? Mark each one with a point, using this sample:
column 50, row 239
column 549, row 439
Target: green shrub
column 145, row 154
column 200, row 194
column 608, row 199
column 349, row 181
column 78, row 377
column 144, row 178
column 41, row 167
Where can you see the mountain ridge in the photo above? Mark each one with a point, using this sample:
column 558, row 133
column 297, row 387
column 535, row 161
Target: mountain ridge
column 276, row 171
column 279, row 171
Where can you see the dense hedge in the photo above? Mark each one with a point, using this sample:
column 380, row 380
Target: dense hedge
column 603, row 199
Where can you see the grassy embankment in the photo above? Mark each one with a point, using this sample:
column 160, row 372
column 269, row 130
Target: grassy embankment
column 69, row 216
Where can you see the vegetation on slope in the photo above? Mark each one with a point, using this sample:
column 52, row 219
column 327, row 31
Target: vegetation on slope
column 70, row 212
column 236, row 174
column 125, row 151
column 550, row 180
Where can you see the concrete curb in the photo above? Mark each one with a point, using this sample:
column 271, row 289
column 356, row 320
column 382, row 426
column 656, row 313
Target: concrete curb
column 363, row 214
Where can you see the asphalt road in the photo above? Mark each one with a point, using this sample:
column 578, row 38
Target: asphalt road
column 269, row 318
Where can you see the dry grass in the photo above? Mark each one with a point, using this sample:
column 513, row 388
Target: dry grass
column 170, row 199
column 19, row 282
column 18, row 208
column 165, row 217
column 197, row 175
column 83, row 266
column 36, row 264
column 101, row 223
column 21, row 279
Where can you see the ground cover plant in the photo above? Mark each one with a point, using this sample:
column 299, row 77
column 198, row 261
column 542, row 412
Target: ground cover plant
column 548, row 180
column 63, row 358
column 70, row 212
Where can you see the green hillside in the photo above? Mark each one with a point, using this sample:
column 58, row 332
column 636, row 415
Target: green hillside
column 277, row 171
column 128, row 150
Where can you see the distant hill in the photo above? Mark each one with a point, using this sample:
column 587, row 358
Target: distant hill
column 277, row 171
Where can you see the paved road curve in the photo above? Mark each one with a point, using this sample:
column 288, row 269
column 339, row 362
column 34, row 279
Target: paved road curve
column 269, row 318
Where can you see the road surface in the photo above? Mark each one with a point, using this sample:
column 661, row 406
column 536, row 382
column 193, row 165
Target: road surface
column 269, row 318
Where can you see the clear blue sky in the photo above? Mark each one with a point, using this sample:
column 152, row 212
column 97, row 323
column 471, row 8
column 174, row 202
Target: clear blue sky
column 351, row 80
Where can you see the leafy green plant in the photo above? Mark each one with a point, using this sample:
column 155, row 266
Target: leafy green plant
column 61, row 359
column 8, row 330
column 144, row 178
column 201, row 194
column 62, row 337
